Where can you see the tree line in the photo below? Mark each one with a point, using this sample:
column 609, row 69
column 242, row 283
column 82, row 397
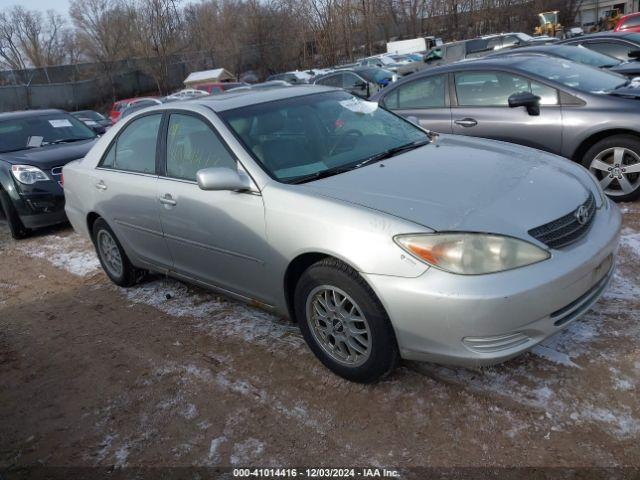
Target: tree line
column 261, row 36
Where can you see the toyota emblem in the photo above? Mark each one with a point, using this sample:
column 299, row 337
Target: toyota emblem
column 582, row 214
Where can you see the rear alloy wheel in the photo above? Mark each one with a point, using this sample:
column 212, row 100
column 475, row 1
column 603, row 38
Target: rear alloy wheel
column 344, row 323
column 615, row 162
column 112, row 257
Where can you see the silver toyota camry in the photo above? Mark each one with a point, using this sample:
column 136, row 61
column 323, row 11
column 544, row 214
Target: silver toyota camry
column 381, row 240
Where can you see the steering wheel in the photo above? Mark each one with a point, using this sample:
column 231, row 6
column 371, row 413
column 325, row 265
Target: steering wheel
column 349, row 133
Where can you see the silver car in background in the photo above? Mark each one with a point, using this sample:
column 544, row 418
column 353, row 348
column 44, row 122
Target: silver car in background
column 582, row 113
column 381, row 240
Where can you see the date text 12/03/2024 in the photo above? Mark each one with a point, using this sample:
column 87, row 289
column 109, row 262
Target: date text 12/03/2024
column 316, row 472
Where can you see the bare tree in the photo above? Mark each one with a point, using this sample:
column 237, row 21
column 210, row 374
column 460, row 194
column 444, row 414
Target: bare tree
column 159, row 35
column 11, row 56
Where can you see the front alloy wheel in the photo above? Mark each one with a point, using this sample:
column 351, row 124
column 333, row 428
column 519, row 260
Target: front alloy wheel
column 338, row 325
column 615, row 162
column 344, row 323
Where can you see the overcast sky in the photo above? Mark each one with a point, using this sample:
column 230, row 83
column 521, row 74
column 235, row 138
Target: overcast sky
column 61, row 6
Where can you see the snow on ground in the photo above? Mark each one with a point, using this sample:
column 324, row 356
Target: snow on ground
column 72, row 253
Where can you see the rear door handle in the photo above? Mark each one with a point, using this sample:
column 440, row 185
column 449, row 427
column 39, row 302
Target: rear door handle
column 101, row 185
column 466, row 122
column 167, row 199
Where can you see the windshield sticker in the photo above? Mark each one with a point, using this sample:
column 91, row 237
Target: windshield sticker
column 62, row 123
column 357, row 105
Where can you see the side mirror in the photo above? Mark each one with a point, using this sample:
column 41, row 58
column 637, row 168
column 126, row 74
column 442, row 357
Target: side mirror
column 223, row 178
column 635, row 54
column 98, row 129
column 525, row 99
column 361, row 89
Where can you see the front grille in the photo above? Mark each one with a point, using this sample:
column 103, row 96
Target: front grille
column 568, row 229
column 56, row 171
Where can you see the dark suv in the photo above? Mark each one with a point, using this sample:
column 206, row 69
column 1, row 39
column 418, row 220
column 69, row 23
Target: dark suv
column 34, row 146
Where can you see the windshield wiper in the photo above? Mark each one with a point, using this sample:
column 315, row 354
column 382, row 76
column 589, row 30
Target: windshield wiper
column 65, row 140
column 392, row 152
column 321, row 174
column 367, row 161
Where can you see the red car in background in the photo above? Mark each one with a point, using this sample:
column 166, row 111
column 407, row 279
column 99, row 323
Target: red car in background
column 118, row 107
column 217, row 87
column 629, row 23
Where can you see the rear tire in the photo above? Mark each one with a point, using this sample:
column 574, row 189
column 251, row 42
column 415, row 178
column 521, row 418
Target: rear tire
column 16, row 227
column 112, row 256
column 615, row 161
column 344, row 323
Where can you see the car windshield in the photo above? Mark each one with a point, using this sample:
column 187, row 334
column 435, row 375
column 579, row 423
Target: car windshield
column 586, row 56
column 524, row 37
column 89, row 114
column 315, row 134
column 53, row 127
column 386, row 60
column 573, row 75
column 376, row 75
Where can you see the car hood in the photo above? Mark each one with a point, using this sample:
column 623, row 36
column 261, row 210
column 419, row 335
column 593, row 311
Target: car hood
column 463, row 184
column 49, row 156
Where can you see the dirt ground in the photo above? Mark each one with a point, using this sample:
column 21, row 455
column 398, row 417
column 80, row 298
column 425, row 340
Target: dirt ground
column 164, row 374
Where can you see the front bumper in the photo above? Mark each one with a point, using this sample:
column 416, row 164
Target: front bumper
column 40, row 204
column 486, row 319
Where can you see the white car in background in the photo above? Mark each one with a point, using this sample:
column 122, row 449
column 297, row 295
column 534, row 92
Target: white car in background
column 187, row 93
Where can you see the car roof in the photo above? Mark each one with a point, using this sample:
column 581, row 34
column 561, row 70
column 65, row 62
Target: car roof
column 28, row 114
column 609, row 34
column 233, row 99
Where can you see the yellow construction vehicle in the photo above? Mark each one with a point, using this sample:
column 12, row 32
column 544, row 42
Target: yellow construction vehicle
column 610, row 19
column 549, row 24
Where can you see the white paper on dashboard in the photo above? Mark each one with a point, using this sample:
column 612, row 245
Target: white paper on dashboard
column 62, row 123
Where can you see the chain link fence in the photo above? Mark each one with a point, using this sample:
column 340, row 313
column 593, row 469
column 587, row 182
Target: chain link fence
column 74, row 87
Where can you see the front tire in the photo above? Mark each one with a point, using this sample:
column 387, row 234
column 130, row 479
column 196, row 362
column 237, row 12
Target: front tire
column 16, row 227
column 344, row 323
column 615, row 162
column 112, row 256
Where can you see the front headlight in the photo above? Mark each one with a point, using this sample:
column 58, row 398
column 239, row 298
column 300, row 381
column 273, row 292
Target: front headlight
column 471, row 253
column 28, row 174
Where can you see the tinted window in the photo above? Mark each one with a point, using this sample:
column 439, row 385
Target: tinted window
column 191, row 146
column 423, row 93
column 349, row 80
column 455, row 52
column 613, row 49
column 135, row 148
column 331, row 81
column 495, row 88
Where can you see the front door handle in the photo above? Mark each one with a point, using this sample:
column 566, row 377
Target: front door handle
column 167, row 199
column 101, row 185
column 466, row 122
